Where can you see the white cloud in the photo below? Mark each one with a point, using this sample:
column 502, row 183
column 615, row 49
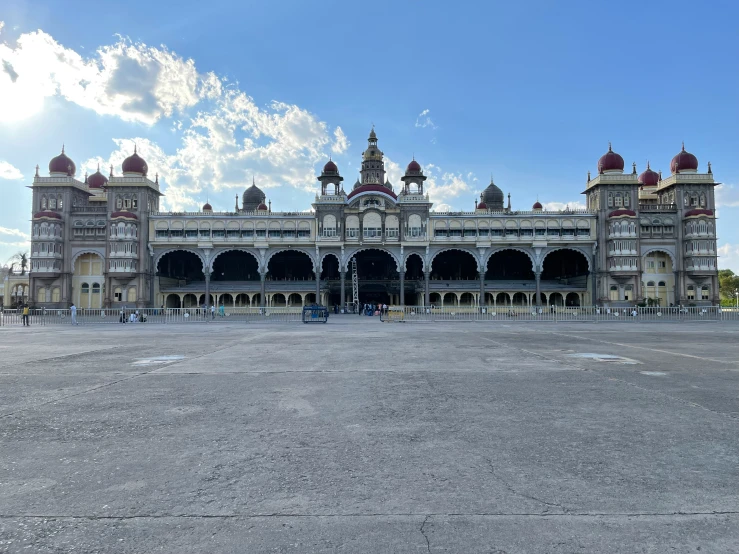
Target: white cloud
column 729, row 257
column 726, row 196
column 424, row 120
column 10, row 238
column 8, row 171
column 341, row 143
column 559, row 206
column 444, row 187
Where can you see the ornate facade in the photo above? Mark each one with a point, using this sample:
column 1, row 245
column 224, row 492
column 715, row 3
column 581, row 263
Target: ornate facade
column 103, row 242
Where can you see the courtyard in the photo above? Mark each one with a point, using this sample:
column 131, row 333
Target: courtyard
column 370, row 437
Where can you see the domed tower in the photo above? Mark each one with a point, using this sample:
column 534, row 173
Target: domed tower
column 373, row 166
column 97, row 180
column 649, row 177
column 134, row 165
column 610, row 162
column 62, row 165
column 684, row 162
column 413, row 176
column 253, row 197
column 330, row 176
column 492, row 197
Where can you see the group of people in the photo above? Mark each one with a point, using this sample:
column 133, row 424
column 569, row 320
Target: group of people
column 373, row 309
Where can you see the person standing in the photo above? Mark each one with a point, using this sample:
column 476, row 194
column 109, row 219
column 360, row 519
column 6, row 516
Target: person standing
column 73, row 311
column 25, row 315
column 222, row 311
column 212, row 311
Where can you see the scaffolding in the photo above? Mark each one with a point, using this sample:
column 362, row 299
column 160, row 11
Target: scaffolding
column 355, row 284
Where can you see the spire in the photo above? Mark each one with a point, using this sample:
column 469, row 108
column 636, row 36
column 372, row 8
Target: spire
column 98, row 167
column 63, row 148
column 269, row 205
column 683, row 147
column 156, row 178
column 237, row 202
column 36, row 170
column 588, row 176
column 633, row 165
column 509, row 202
column 111, row 170
column 609, row 146
column 85, row 176
column 709, row 167
column 648, row 165
column 134, row 147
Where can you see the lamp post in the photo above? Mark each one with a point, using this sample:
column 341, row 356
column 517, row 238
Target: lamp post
column 736, row 295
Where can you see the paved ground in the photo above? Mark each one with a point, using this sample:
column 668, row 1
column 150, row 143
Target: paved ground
column 358, row 436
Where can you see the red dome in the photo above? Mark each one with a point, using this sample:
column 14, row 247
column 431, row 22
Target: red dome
column 207, row 207
column 622, row 211
column 537, row 206
column 135, row 164
column 372, row 188
column 262, row 207
column 128, row 215
column 53, row 215
column 330, row 167
column 97, row 180
column 649, row 178
column 684, row 161
column 413, row 167
column 482, row 206
column 691, row 213
column 62, row 164
column 610, row 161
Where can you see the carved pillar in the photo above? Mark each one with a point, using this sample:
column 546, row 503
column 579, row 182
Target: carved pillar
column 481, row 302
column 402, row 288
column 207, row 289
column 342, row 302
column 262, row 289
column 426, row 295
column 538, row 289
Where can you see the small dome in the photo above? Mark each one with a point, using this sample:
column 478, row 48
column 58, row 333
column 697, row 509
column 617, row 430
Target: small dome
column 52, row 215
column 62, row 164
column 253, row 196
column 482, row 206
column 135, row 164
column 492, row 196
column 330, row 167
column 684, row 161
column 610, row 161
column 97, row 180
column 262, row 207
column 622, row 212
column 537, row 206
column 413, row 167
column 123, row 214
column 649, row 177
column 697, row 212
column 207, row 207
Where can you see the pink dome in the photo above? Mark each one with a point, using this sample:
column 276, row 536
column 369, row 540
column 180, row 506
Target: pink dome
column 684, row 161
column 413, row 167
column 135, row 164
column 649, row 177
column 610, row 161
column 207, row 207
column 52, row 215
column 62, row 164
column 330, row 167
column 97, row 180
column 537, row 206
column 262, row 207
column 482, row 206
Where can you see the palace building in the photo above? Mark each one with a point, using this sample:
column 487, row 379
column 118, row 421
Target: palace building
column 102, row 242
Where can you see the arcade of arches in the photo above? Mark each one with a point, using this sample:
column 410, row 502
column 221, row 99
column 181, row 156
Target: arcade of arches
column 289, row 279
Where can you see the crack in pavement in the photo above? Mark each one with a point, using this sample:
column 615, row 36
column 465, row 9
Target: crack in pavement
column 569, row 514
column 521, row 494
column 428, row 544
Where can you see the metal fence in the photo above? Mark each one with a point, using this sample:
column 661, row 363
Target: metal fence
column 421, row 314
column 45, row 317
column 406, row 314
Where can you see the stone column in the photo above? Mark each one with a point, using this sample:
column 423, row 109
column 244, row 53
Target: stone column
column 482, row 289
column 262, row 290
column 402, row 288
column 318, row 287
column 538, row 289
column 207, row 289
column 426, row 295
column 342, row 303
column 677, row 288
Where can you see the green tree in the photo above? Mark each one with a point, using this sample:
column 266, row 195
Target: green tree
column 728, row 283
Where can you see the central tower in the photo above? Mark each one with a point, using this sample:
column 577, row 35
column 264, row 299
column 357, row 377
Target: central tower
column 373, row 167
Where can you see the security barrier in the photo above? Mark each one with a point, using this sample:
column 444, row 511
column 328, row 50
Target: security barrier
column 407, row 314
column 315, row 314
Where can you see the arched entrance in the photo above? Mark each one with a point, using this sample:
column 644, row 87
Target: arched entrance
column 235, row 265
column 564, row 271
column 454, row 265
column 378, row 277
column 413, row 279
column 180, row 265
column 509, row 265
column 659, row 276
column 331, row 279
column 290, row 265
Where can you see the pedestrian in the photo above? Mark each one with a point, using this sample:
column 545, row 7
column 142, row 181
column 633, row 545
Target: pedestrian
column 122, row 319
column 222, row 310
column 213, row 311
column 73, row 311
column 25, row 315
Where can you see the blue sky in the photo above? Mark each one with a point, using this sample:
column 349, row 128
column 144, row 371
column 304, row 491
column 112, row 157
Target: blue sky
column 216, row 92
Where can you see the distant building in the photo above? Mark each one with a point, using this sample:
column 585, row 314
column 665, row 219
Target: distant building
column 102, row 242
column 13, row 288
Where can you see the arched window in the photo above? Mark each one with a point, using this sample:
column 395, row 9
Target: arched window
column 614, row 292
column 60, row 202
column 626, row 199
column 41, row 294
column 704, row 292
column 118, row 202
column 691, row 292
column 131, row 295
column 96, row 288
column 650, row 284
column 43, row 202
column 55, row 294
column 661, row 284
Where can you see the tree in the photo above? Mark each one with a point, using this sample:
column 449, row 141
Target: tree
column 21, row 258
column 728, row 283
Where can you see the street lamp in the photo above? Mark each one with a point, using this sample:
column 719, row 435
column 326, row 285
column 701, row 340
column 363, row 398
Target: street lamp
column 736, row 295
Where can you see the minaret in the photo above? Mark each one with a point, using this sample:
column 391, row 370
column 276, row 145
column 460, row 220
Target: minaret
column 373, row 166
